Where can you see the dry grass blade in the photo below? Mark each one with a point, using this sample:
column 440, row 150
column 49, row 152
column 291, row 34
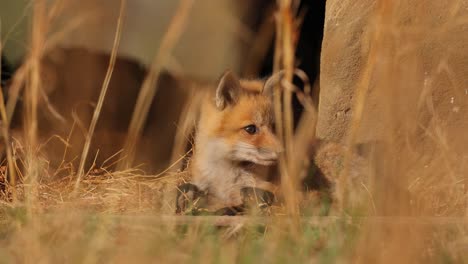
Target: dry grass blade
column 303, row 137
column 6, row 136
column 5, row 133
column 288, row 66
column 15, row 89
column 104, row 88
column 284, row 59
column 148, row 89
column 20, row 75
column 31, row 95
column 34, row 81
column 186, row 125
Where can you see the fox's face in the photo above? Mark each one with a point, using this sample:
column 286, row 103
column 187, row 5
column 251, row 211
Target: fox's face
column 241, row 122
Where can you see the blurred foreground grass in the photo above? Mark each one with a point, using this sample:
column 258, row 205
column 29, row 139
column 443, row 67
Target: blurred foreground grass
column 85, row 237
column 127, row 217
column 67, row 234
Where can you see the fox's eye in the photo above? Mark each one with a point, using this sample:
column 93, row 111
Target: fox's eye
column 251, row 129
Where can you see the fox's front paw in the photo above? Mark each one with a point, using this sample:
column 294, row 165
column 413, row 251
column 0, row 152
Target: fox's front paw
column 188, row 195
column 260, row 198
column 230, row 211
column 251, row 198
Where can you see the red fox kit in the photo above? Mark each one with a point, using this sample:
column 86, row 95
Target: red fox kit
column 234, row 138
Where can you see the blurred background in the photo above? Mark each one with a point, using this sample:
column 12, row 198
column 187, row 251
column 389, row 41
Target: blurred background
column 219, row 35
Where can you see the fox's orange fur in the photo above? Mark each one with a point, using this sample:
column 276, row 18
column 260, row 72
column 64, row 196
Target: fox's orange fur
column 234, row 139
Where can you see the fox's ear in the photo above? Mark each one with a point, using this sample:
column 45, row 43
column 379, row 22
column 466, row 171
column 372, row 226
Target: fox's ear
column 270, row 83
column 228, row 90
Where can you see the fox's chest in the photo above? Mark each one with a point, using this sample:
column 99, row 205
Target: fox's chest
column 223, row 182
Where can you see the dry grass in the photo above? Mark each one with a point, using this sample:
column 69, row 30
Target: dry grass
column 125, row 216
column 105, row 86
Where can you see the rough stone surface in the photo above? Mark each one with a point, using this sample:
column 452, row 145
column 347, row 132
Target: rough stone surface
column 407, row 62
column 418, row 77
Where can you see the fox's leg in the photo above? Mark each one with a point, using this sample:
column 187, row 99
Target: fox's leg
column 187, row 194
column 258, row 192
column 188, row 199
column 265, row 185
column 251, row 193
column 257, row 197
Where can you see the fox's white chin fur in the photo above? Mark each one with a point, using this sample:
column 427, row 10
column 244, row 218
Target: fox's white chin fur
column 261, row 162
column 247, row 152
